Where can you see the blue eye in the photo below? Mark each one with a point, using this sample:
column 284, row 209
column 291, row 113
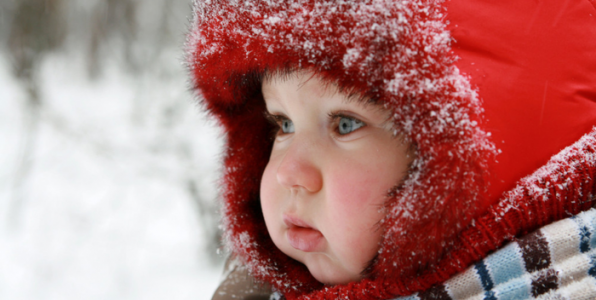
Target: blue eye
column 287, row 126
column 347, row 125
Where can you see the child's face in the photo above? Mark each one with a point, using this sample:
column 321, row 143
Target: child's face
column 333, row 162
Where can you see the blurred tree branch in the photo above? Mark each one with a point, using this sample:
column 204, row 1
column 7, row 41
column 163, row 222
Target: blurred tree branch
column 36, row 29
column 112, row 18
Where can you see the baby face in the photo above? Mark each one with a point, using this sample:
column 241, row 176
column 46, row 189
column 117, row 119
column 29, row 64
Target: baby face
column 333, row 162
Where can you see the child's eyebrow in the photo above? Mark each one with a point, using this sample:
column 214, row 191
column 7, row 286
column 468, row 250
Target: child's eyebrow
column 363, row 100
column 353, row 95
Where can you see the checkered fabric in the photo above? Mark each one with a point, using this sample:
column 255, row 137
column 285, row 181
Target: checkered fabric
column 557, row 261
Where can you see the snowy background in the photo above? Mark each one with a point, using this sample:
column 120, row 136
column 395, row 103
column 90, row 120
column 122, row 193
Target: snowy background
column 108, row 167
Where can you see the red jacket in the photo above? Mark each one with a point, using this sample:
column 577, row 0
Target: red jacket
column 488, row 92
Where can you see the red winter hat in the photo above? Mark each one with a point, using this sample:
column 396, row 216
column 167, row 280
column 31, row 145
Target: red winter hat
column 537, row 98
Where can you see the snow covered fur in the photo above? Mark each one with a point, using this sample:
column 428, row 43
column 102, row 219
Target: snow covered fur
column 400, row 54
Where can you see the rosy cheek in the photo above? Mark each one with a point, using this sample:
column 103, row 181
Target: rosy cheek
column 269, row 204
column 353, row 184
column 354, row 236
column 354, row 196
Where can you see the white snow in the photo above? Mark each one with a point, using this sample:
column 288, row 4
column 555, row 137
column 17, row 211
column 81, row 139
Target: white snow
column 105, row 211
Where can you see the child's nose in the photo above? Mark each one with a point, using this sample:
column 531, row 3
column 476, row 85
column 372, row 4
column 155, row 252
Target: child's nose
column 299, row 169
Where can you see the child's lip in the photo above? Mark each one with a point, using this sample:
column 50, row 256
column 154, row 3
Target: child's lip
column 301, row 235
column 293, row 221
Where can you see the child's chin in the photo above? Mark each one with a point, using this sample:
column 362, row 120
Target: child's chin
column 333, row 280
column 329, row 274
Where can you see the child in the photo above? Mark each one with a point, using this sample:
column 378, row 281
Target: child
column 381, row 179
column 332, row 164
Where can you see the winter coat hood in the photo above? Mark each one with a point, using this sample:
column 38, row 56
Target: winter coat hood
column 465, row 80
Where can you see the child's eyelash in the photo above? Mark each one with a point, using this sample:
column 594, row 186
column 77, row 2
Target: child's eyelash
column 275, row 121
column 335, row 117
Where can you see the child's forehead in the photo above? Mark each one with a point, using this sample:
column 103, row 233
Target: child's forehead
column 274, row 85
column 302, row 80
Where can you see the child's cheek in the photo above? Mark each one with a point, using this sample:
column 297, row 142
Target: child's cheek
column 353, row 184
column 270, row 205
column 354, row 201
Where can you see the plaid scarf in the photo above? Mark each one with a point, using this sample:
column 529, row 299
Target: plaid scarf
column 557, row 261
